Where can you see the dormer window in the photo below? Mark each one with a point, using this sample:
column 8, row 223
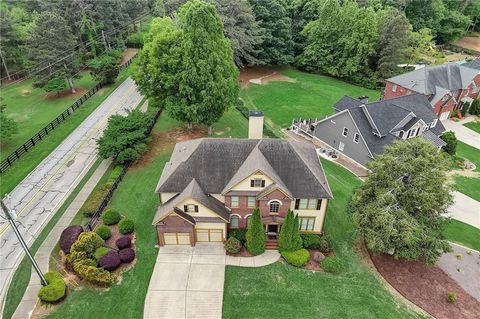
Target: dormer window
column 257, row 182
column 190, row 208
column 434, row 123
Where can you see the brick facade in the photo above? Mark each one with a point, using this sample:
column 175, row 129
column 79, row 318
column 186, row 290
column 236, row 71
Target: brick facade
column 175, row 224
column 394, row 90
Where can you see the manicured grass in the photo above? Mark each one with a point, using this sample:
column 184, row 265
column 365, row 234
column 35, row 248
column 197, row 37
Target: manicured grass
column 29, row 161
column 310, row 96
column 282, row 291
column 462, row 233
column 474, row 125
column 21, row 278
column 469, row 186
column 469, row 152
column 136, row 199
column 32, row 109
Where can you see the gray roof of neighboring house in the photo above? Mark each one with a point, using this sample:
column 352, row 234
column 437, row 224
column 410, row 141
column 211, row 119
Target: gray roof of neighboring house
column 427, row 80
column 213, row 163
column 346, row 102
column 433, row 138
column 386, row 114
column 475, row 64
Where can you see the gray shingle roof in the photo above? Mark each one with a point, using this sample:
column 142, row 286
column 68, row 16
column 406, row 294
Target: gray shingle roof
column 433, row 138
column 475, row 64
column 214, row 162
column 346, row 102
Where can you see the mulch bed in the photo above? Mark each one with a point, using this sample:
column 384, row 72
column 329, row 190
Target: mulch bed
column 427, row 287
column 67, row 93
column 242, row 253
column 266, row 73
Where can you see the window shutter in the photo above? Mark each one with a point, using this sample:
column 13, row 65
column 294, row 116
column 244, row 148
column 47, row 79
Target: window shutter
column 263, row 183
column 252, row 183
column 185, row 208
column 196, row 208
column 319, row 204
column 297, row 203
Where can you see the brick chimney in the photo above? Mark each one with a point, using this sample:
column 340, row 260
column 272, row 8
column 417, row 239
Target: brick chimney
column 255, row 125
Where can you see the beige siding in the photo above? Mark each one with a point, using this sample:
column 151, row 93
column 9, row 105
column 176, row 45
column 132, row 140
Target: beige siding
column 220, row 197
column 245, row 184
column 164, row 197
column 318, row 214
column 202, row 210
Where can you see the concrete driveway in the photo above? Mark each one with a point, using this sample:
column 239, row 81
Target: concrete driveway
column 463, row 133
column 187, row 282
column 465, row 209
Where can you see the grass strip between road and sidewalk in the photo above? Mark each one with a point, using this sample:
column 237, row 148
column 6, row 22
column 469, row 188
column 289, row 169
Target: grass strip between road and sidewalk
column 21, row 277
column 474, row 126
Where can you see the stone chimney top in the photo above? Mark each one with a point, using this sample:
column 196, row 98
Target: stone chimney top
column 255, row 125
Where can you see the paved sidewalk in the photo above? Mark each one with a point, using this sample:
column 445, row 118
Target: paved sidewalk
column 267, row 258
column 463, row 133
column 465, row 209
column 187, row 282
column 42, row 256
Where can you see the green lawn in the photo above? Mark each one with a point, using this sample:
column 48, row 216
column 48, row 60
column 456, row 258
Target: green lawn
column 310, row 96
column 469, row 152
column 282, row 291
column 474, row 125
column 469, row 186
column 29, row 161
column 32, row 109
column 464, row 234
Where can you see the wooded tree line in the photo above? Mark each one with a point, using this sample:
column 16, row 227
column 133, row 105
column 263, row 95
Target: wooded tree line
column 360, row 41
column 54, row 39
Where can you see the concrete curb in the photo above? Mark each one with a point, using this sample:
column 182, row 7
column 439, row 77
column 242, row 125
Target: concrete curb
column 267, row 258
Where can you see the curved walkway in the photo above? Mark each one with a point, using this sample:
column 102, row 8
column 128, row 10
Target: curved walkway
column 267, row 258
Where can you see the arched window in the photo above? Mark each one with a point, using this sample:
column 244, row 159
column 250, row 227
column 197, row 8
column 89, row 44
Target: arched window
column 234, row 221
column 274, row 206
column 248, row 220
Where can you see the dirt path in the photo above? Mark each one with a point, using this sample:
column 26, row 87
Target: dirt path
column 128, row 54
column 261, row 75
column 472, row 43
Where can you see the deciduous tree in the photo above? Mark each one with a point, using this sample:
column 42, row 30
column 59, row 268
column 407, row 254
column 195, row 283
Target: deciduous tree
column 8, row 126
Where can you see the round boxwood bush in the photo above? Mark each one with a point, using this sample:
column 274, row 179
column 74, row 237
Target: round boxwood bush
column 326, row 244
column 110, row 261
column 55, row 290
column 233, row 245
column 104, row 232
column 68, row 237
column 332, row 264
column 311, row 241
column 126, row 255
column 111, row 217
column 297, row 258
column 126, row 226
column 100, row 252
column 123, row 242
column 239, row 234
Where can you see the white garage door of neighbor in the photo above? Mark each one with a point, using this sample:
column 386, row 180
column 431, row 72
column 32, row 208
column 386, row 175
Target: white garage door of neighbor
column 209, row 235
column 176, row 238
column 444, row 116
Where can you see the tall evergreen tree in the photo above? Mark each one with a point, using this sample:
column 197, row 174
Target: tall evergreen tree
column 256, row 234
column 297, row 242
column 285, row 236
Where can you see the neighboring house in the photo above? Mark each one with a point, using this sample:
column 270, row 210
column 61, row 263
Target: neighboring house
column 211, row 186
column 446, row 86
column 361, row 130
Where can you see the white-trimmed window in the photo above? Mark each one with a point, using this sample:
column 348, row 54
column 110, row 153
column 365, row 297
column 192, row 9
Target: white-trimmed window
column 234, row 201
column 394, row 88
column 274, row 207
column 234, row 221
column 251, row 201
column 190, row 208
column 308, row 203
column 345, row 131
column 356, row 137
column 247, row 218
column 257, row 182
column 306, row 223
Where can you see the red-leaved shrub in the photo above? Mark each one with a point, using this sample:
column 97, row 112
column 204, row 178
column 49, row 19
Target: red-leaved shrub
column 68, row 237
column 123, row 242
column 110, row 261
column 127, row 255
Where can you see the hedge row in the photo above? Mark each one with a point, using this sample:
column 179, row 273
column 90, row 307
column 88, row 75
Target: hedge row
column 95, row 199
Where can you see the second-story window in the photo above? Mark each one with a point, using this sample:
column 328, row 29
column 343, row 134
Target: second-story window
column 274, row 207
column 345, row 132
column 308, row 203
column 257, row 182
column 251, row 201
column 234, row 201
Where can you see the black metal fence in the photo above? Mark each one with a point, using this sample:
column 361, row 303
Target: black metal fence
column 40, row 135
column 98, row 212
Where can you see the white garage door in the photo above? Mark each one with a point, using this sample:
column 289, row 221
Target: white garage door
column 444, row 116
column 209, row 235
column 176, row 238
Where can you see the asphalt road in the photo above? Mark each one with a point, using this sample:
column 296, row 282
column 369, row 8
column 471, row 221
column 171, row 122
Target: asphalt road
column 42, row 192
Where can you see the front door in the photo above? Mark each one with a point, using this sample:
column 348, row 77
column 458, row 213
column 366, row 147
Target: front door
column 272, row 231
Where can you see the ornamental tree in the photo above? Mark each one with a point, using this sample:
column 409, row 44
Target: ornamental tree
column 401, row 208
column 289, row 238
column 451, row 140
column 256, row 234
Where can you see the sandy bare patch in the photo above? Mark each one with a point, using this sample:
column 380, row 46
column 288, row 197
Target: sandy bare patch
column 261, row 75
column 128, row 54
column 472, row 43
column 67, row 93
column 25, row 92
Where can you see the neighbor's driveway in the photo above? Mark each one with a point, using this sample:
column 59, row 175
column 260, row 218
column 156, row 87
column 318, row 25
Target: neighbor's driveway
column 463, row 133
column 465, row 209
column 187, row 282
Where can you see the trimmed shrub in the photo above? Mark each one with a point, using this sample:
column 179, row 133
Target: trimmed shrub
column 475, row 107
column 100, row 252
column 311, row 241
column 256, row 234
column 332, row 264
column 297, row 258
column 326, row 244
column 239, row 234
column 451, row 140
column 233, row 245
column 110, row 261
column 111, row 217
column 104, row 232
column 93, row 274
column 126, row 226
column 116, row 171
column 95, row 199
column 87, row 242
column 126, row 255
column 452, row 297
column 55, row 290
column 68, row 237
column 123, row 242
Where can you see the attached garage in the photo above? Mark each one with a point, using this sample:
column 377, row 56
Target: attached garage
column 176, row 238
column 209, row 235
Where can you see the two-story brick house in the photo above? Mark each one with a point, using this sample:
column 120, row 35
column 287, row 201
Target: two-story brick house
column 211, row 186
column 446, row 86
